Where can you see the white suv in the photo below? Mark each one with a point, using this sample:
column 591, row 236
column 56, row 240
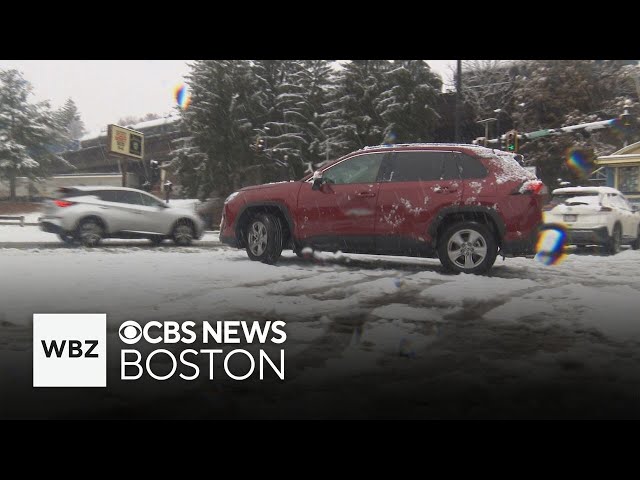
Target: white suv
column 594, row 215
column 88, row 214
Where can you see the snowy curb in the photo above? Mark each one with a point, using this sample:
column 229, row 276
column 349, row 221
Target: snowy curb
column 118, row 244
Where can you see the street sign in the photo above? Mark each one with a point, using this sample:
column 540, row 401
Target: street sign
column 124, row 141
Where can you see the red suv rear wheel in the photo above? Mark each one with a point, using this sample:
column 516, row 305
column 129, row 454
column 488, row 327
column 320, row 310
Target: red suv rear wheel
column 467, row 247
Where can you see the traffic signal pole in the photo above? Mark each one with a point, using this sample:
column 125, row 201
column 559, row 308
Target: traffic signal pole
column 458, row 101
column 589, row 127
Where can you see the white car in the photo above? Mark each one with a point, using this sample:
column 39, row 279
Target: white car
column 594, row 216
column 89, row 214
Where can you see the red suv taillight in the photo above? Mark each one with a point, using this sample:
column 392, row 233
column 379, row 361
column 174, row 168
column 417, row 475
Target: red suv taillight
column 63, row 203
column 531, row 187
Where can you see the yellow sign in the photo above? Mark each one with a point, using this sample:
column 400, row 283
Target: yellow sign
column 125, row 141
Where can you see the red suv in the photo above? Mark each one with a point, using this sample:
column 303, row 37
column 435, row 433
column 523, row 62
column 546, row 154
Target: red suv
column 463, row 203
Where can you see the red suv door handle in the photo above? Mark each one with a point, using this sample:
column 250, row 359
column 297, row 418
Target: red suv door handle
column 446, row 189
column 366, row 194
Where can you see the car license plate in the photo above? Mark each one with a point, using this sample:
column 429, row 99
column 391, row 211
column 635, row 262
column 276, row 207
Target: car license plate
column 570, row 218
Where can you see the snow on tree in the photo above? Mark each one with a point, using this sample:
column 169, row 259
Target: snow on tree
column 251, row 122
column 70, row 123
column 352, row 119
column 488, row 85
column 292, row 96
column 219, row 123
column 29, row 132
column 188, row 161
column 264, row 120
column 557, row 93
column 314, row 79
column 133, row 119
column 408, row 106
column 278, row 130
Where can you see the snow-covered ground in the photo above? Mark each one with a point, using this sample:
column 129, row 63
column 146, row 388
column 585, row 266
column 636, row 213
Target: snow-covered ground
column 350, row 316
column 33, row 234
column 587, row 292
column 28, row 233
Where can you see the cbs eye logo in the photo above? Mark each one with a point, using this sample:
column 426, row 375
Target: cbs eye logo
column 130, row 332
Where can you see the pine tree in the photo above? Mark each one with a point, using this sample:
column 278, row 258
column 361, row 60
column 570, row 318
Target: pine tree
column 218, row 154
column 315, row 78
column 188, row 162
column 28, row 132
column 278, row 132
column 352, row 119
column 408, row 106
column 70, row 123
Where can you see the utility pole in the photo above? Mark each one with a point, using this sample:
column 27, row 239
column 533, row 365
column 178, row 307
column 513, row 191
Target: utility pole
column 498, row 111
column 458, row 100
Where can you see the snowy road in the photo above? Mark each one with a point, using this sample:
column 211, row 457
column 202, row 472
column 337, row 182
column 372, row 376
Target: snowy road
column 355, row 321
column 31, row 236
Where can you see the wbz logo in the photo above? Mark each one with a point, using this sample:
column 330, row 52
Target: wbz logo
column 75, row 348
column 69, row 350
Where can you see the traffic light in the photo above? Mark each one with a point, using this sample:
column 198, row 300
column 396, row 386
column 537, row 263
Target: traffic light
column 155, row 172
column 512, row 141
column 625, row 119
column 260, row 145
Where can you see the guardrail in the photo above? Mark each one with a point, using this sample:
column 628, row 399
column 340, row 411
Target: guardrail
column 20, row 219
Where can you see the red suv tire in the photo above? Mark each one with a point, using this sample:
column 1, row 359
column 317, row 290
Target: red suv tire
column 468, row 247
column 264, row 238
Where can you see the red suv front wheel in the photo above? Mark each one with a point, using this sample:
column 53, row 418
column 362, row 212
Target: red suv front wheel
column 264, row 238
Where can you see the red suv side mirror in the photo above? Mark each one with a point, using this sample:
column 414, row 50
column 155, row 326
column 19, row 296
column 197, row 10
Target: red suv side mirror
column 317, row 180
